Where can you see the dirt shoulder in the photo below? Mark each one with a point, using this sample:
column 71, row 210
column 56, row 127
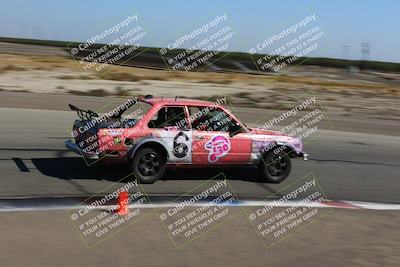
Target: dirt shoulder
column 372, row 94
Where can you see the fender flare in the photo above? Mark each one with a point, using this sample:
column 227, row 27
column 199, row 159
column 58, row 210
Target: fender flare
column 288, row 148
column 144, row 142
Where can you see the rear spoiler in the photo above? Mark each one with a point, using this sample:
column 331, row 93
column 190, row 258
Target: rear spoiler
column 84, row 114
column 115, row 113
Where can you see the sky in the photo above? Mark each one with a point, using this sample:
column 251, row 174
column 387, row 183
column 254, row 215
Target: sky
column 346, row 24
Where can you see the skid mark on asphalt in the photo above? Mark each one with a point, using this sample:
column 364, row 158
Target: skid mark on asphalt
column 20, row 164
column 355, row 162
column 359, row 143
column 33, row 149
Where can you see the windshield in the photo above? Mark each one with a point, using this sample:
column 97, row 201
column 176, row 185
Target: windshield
column 212, row 119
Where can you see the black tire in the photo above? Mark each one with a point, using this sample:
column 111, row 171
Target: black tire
column 275, row 167
column 94, row 162
column 148, row 165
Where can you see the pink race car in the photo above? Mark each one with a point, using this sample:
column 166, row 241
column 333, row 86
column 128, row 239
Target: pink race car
column 151, row 134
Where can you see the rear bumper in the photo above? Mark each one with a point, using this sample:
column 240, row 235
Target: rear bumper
column 74, row 147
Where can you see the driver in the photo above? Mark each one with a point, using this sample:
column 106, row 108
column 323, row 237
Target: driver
column 173, row 116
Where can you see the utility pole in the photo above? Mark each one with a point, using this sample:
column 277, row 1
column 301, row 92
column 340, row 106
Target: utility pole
column 365, row 51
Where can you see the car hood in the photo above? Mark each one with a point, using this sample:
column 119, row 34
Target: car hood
column 266, row 132
column 261, row 137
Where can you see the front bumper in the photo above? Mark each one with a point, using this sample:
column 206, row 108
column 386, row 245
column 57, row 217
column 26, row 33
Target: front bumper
column 304, row 155
column 74, row 147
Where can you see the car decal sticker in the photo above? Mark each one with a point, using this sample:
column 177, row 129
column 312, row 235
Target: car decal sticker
column 180, row 149
column 218, row 147
column 177, row 143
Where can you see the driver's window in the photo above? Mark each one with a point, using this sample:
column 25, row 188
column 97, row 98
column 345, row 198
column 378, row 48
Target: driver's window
column 169, row 117
column 212, row 119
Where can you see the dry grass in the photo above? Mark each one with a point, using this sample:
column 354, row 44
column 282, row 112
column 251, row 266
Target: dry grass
column 9, row 68
column 79, row 77
column 95, row 92
column 329, row 83
column 133, row 74
column 37, row 62
column 119, row 76
column 119, row 91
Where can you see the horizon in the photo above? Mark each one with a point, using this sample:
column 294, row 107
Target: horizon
column 228, row 52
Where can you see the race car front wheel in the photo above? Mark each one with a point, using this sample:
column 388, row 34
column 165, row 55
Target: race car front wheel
column 148, row 165
column 275, row 167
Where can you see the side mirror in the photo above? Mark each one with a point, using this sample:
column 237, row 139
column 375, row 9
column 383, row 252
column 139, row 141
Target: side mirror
column 237, row 131
column 232, row 134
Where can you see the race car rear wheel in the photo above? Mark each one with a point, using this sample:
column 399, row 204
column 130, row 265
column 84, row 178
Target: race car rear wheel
column 275, row 167
column 148, row 165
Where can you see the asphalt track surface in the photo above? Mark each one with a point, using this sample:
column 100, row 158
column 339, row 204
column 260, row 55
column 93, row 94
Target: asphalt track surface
column 342, row 238
column 358, row 160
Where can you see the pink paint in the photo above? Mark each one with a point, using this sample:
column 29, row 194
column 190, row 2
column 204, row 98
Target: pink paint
column 218, row 146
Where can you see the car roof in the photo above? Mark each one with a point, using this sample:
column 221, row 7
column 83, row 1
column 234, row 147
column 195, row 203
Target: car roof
column 176, row 101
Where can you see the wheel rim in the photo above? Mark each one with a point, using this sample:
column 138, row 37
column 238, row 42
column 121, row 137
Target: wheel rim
column 149, row 164
column 277, row 165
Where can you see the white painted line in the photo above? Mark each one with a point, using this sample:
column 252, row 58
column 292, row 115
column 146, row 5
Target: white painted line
column 375, row 206
column 249, row 203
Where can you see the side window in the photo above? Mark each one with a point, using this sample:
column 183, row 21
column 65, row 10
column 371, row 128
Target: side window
column 169, row 117
column 212, row 119
column 198, row 118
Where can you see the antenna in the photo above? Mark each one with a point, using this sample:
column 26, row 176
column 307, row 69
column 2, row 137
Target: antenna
column 176, row 97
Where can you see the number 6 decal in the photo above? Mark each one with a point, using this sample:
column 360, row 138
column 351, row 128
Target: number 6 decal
column 180, row 149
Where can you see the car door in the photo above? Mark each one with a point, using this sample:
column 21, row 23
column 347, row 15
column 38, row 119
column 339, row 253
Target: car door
column 211, row 142
column 170, row 126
